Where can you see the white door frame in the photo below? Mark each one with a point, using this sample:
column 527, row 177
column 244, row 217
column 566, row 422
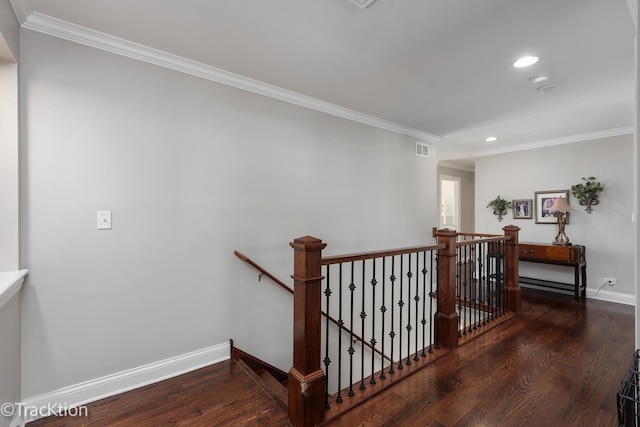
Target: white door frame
column 457, row 199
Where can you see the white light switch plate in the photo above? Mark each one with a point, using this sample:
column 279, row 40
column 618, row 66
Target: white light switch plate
column 104, row 220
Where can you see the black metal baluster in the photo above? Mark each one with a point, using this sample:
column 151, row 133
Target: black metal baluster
column 506, row 275
column 503, row 276
column 465, row 285
column 498, row 279
column 363, row 315
column 400, row 304
column 327, row 360
column 423, row 321
column 492, row 281
column 431, row 304
column 416, row 298
column 475, row 286
column 483, row 282
column 469, row 286
column 392, row 334
column 496, row 282
column 437, row 316
column 340, row 324
column 409, row 276
column 373, row 341
column 459, row 293
column 352, row 288
column 383, row 310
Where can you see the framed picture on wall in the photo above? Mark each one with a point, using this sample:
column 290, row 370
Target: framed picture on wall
column 522, row 208
column 543, row 201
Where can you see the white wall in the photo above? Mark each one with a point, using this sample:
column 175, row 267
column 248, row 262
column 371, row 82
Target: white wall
column 192, row 170
column 10, row 313
column 9, row 355
column 607, row 232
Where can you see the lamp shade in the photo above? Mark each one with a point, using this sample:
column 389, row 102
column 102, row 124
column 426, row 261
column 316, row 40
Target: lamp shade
column 559, row 205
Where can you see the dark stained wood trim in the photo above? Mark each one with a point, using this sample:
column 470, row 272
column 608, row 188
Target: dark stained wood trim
column 446, row 318
column 256, row 364
column 338, row 259
column 306, row 377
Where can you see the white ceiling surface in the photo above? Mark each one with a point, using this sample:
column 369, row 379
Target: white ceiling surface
column 438, row 66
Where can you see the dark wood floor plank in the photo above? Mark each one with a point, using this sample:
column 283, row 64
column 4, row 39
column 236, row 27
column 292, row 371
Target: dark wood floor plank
column 559, row 363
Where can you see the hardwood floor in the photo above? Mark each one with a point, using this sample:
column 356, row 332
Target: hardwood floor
column 219, row 395
column 559, row 363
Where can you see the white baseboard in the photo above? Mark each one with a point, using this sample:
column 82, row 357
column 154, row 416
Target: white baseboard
column 612, row 297
column 72, row 397
column 603, row 295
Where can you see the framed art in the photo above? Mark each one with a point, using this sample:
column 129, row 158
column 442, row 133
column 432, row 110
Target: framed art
column 543, row 201
column 522, row 208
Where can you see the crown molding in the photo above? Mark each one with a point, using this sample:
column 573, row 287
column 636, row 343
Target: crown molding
column 632, row 5
column 628, row 130
column 19, row 10
column 456, row 166
column 88, row 37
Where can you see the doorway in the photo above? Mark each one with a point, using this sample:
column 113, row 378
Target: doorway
column 449, row 216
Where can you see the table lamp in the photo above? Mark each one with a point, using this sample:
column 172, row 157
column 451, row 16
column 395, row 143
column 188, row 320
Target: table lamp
column 561, row 206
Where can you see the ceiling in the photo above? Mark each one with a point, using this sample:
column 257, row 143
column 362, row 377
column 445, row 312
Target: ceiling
column 440, row 67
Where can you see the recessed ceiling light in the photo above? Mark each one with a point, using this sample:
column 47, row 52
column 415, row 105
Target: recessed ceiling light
column 525, row 61
column 491, row 139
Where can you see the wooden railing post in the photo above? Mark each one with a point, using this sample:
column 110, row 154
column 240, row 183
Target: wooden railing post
column 446, row 317
column 306, row 377
column 514, row 303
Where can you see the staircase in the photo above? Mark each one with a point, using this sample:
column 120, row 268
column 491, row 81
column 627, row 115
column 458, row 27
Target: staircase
column 271, row 379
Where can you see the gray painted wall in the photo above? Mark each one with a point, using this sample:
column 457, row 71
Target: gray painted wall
column 10, row 355
column 192, row 170
column 607, row 233
column 9, row 314
column 9, row 32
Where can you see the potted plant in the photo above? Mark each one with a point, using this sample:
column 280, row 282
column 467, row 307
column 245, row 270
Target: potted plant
column 587, row 192
column 499, row 206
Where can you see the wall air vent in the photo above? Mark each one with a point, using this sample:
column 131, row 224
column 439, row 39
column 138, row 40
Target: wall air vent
column 422, row 150
column 363, row 3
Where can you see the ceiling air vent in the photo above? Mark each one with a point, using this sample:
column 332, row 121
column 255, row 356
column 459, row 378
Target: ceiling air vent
column 363, row 3
column 422, row 150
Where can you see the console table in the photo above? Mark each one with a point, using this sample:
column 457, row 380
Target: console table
column 570, row 256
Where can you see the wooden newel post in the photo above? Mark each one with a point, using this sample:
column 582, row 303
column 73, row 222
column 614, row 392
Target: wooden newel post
column 514, row 303
column 446, row 318
column 306, row 377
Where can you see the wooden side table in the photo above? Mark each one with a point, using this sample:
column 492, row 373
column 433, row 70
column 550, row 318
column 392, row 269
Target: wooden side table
column 570, row 256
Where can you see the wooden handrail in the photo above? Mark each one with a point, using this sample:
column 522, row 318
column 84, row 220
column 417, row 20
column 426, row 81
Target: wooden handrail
column 263, row 271
column 434, row 230
column 478, row 234
column 284, row 285
column 483, row 240
column 306, row 376
column 338, row 259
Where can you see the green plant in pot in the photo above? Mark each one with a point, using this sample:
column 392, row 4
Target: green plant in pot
column 587, row 192
column 500, row 206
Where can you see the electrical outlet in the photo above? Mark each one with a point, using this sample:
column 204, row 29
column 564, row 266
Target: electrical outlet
column 610, row 281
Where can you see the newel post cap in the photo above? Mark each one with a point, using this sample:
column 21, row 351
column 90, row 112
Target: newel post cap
column 308, row 242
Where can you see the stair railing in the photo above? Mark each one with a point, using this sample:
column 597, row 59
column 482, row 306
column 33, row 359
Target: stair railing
column 308, row 383
column 283, row 285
